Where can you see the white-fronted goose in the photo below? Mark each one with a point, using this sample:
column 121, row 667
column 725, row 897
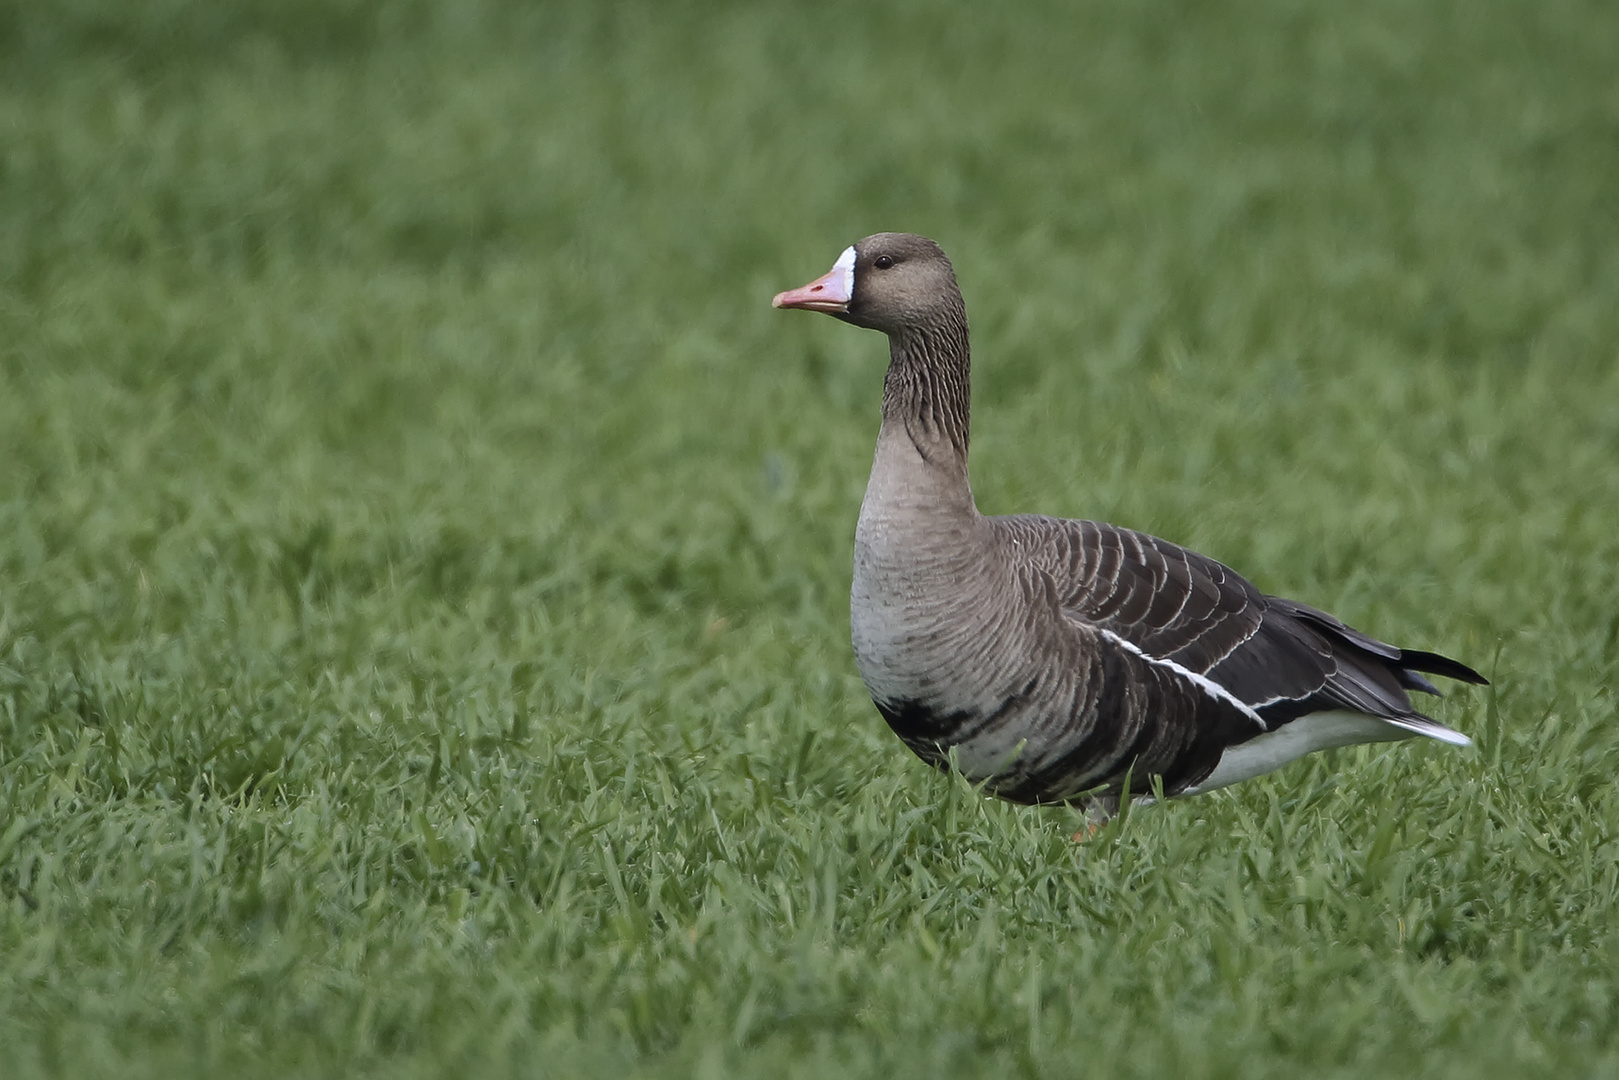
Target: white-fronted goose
column 1058, row 657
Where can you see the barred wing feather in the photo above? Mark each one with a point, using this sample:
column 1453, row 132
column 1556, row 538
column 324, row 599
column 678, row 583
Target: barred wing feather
column 1281, row 658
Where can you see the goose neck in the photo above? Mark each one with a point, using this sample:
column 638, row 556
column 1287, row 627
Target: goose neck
column 928, row 385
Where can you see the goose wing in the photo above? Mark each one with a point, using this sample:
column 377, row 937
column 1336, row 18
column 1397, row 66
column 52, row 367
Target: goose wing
column 1279, row 658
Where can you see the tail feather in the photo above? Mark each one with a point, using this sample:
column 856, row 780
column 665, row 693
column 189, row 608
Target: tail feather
column 1412, row 660
column 1434, row 664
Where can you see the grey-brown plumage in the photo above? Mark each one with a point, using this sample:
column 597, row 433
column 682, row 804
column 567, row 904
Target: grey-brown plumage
column 1057, row 657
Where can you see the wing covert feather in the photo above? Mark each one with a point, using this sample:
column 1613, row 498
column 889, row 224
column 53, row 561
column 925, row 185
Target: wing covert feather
column 1171, row 603
column 1279, row 657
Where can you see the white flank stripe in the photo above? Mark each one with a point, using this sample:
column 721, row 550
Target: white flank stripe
column 1433, row 729
column 1202, row 682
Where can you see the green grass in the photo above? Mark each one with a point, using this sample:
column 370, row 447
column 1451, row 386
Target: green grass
column 424, row 554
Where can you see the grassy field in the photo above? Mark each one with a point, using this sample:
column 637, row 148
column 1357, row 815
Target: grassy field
column 424, row 554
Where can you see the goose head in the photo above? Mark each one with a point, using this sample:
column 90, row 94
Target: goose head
column 893, row 282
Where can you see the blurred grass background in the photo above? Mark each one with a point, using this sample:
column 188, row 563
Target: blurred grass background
column 424, row 554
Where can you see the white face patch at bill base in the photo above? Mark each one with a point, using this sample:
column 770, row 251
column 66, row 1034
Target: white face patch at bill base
column 844, row 271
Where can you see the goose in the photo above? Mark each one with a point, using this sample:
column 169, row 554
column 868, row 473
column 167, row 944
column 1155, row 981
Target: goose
column 1058, row 661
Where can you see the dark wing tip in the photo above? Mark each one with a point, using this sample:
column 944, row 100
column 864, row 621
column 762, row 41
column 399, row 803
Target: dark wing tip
column 1434, row 664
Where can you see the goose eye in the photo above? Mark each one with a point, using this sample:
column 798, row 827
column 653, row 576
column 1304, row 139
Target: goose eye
column 882, row 262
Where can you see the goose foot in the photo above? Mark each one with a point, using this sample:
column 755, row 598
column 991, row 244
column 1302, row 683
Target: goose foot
column 1098, row 812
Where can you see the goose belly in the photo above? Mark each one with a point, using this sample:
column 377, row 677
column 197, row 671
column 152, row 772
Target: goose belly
column 899, row 646
column 923, row 648
column 971, row 702
column 917, row 631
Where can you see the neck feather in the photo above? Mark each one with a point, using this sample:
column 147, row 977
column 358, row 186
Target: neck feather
column 928, row 385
